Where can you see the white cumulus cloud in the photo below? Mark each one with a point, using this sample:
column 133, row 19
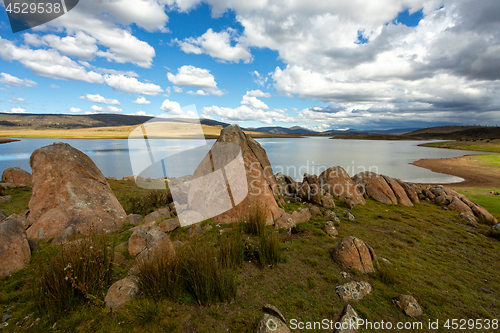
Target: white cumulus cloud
column 195, row 77
column 15, row 81
column 141, row 100
column 132, row 85
column 101, row 100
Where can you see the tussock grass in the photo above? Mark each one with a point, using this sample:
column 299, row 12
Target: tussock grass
column 75, row 273
column 199, row 273
column 146, row 203
column 255, row 223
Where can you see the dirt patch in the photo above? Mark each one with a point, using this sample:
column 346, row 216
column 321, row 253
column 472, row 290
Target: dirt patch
column 464, row 167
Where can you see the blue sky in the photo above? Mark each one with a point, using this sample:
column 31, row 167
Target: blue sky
column 322, row 65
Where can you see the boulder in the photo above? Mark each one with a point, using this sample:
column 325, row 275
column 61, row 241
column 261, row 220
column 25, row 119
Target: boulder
column 121, row 292
column 483, row 215
column 137, row 242
column 195, row 230
column 157, row 244
column 409, row 305
column 336, row 181
column 353, row 290
column 469, row 219
column 327, row 201
column 314, row 194
column 256, row 192
column 19, row 217
column 272, row 310
column 271, row 324
column 134, row 219
column 17, row 176
column 145, row 226
column 169, row 224
column 69, row 189
column 15, row 251
column 152, row 217
column 352, row 252
column 460, row 206
column 376, row 187
column 398, row 191
column 284, row 185
column 444, row 200
column 412, row 191
column 348, row 321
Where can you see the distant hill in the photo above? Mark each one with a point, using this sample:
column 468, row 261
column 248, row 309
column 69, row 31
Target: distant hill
column 284, row 130
column 54, row 121
column 456, row 133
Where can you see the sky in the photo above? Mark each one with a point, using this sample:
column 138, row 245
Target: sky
column 324, row 64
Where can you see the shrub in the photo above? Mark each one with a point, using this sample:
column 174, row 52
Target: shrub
column 145, row 204
column 232, row 248
column 72, row 274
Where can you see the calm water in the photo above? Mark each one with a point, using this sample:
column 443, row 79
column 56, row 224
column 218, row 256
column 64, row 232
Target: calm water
column 293, row 157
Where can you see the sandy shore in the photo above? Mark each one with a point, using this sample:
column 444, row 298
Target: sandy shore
column 466, row 167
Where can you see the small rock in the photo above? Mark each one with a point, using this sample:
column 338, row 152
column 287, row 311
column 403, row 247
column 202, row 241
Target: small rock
column 6, row 317
column 269, row 323
column 169, row 224
column 137, row 242
column 349, row 202
column 207, row 227
column 348, row 215
column 134, row 219
column 3, row 215
column 336, row 219
column 348, row 321
column 353, row 290
column 327, row 201
column 496, row 227
column 330, row 229
column 345, row 275
column 315, row 210
column 164, row 213
column 33, row 245
column 153, row 217
column 195, row 230
column 409, row 305
column 6, row 199
column 121, row 292
column 69, row 234
column 352, row 252
column 122, row 246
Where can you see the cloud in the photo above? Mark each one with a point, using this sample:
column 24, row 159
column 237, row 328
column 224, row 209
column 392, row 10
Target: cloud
column 47, row 63
column 54, row 86
column 198, row 92
column 174, row 110
column 140, row 113
column 12, row 80
column 80, row 45
column 257, row 93
column 141, row 100
column 259, row 78
column 217, row 45
column 15, row 110
column 75, row 110
column 101, row 100
column 178, row 89
column 132, row 85
column 110, row 109
column 245, row 113
column 254, row 102
column 195, row 77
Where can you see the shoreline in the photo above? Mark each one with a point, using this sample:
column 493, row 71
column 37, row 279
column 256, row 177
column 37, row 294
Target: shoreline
column 466, row 167
column 4, row 140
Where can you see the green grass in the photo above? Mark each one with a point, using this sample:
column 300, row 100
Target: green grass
column 488, row 160
column 475, row 145
column 448, row 266
column 483, row 197
column 20, row 200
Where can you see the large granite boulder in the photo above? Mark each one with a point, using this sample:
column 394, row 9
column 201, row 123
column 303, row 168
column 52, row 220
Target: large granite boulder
column 244, row 196
column 15, row 251
column 69, row 190
column 376, row 187
column 314, row 189
column 336, row 181
column 352, row 252
column 17, row 176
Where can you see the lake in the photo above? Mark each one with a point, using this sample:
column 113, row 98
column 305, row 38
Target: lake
column 291, row 156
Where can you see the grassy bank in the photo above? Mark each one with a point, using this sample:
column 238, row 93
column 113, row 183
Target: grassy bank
column 428, row 252
column 475, row 145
